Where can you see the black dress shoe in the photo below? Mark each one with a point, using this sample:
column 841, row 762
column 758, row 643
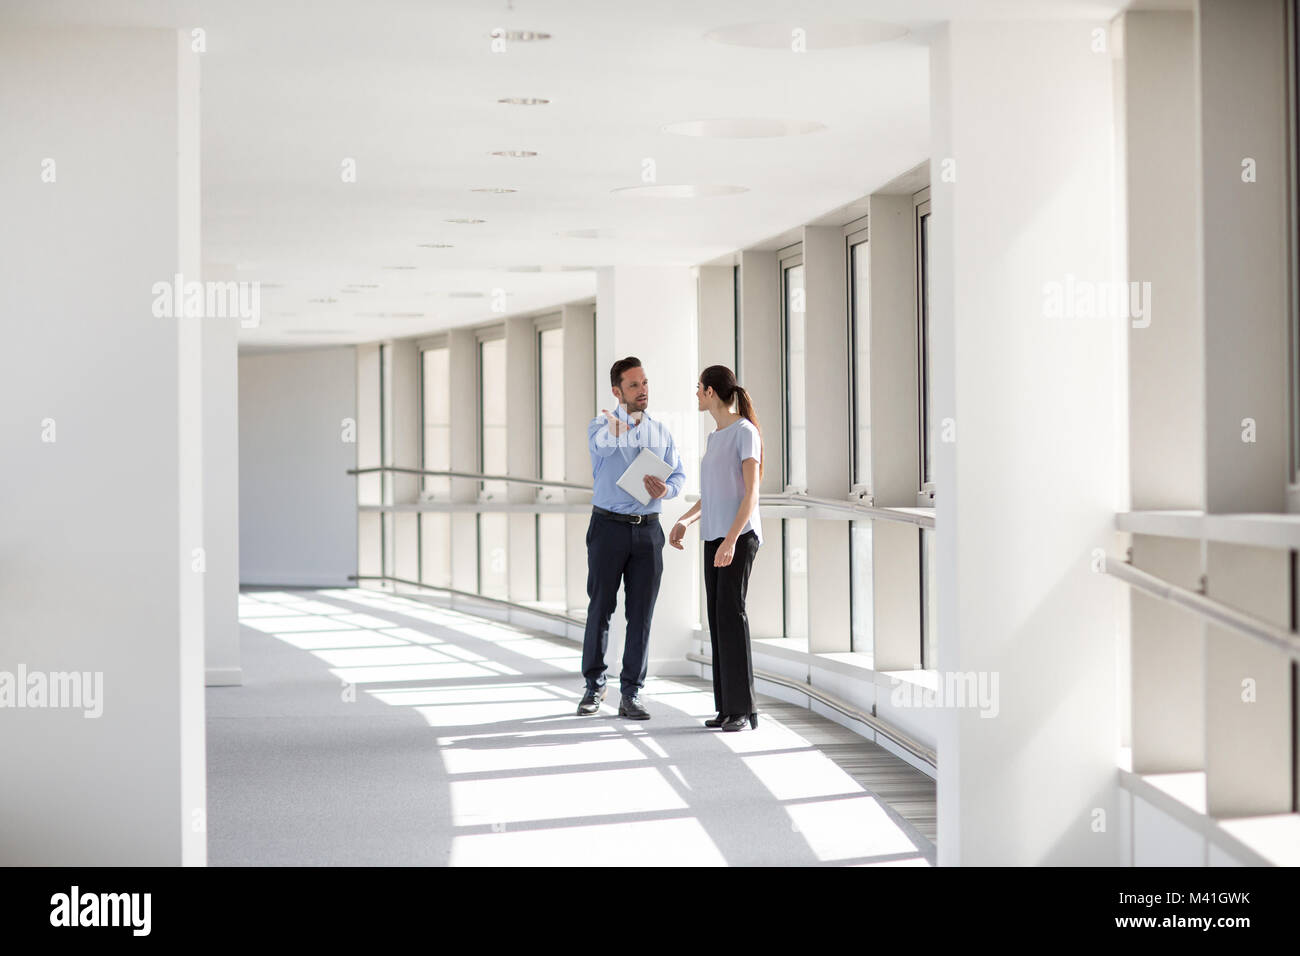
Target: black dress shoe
column 591, row 702
column 737, row 722
column 716, row 721
column 631, row 707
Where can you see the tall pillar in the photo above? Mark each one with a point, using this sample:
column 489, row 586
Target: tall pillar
column 522, row 453
column 759, row 370
column 1020, row 194
column 462, row 348
column 827, row 354
column 580, row 377
column 103, row 424
column 649, row 312
column 892, row 373
column 1166, row 358
column 402, row 378
column 1241, row 54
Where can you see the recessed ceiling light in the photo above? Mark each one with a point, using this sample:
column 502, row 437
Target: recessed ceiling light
column 403, row 268
column 519, row 36
column 744, row 128
column 435, row 245
column 466, row 222
column 515, row 153
column 680, row 191
column 363, row 285
column 325, row 301
column 389, row 315
column 465, row 295
column 550, row 268
column 523, row 100
column 316, row 331
column 817, row 36
column 493, row 189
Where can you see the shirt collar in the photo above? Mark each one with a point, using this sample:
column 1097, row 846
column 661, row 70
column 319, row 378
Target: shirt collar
column 620, row 413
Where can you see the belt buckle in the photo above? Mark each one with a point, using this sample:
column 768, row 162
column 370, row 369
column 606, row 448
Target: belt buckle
column 639, row 519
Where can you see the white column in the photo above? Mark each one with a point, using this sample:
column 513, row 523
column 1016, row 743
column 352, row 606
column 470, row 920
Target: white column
column 1241, row 56
column 1021, row 191
column 102, row 418
column 649, row 312
column 1166, row 360
column 463, row 363
column 759, row 371
column 403, row 383
column 827, row 400
column 894, row 434
column 580, row 377
column 521, row 453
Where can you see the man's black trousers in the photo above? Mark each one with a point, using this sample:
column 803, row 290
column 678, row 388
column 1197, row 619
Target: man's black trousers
column 633, row 554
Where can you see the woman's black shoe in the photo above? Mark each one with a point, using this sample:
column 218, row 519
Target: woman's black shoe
column 715, row 721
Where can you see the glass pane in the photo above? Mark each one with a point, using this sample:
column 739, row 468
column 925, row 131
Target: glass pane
column 492, row 404
column 493, row 540
column 860, row 584
column 551, row 386
column 923, row 253
column 435, row 549
column 796, row 412
column 550, row 560
column 929, row 602
column 796, row 578
column 436, row 386
column 861, row 366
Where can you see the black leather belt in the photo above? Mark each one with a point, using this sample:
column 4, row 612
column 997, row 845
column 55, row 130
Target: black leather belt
column 627, row 519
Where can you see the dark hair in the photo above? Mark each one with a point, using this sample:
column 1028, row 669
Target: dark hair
column 618, row 368
column 723, row 382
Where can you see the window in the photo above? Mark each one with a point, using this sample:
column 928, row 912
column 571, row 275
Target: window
column 493, row 528
column 435, row 408
column 922, row 205
column 492, row 415
column 550, row 424
column 435, row 455
column 925, row 495
column 794, row 534
column 861, row 610
column 792, row 314
column 860, row 337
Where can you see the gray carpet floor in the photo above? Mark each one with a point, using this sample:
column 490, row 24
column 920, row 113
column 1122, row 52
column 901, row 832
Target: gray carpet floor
column 374, row 729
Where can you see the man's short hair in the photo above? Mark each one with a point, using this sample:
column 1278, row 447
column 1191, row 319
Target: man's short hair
column 618, row 368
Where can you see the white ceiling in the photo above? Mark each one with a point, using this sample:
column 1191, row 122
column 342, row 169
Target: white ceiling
column 409, row 90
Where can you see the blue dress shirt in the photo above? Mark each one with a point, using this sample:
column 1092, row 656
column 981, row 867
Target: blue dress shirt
column 611, row 455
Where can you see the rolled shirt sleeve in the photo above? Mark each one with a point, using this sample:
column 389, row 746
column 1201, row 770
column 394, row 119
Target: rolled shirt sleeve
column 600, row 442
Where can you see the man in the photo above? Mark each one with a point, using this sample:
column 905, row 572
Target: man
column 624, row 539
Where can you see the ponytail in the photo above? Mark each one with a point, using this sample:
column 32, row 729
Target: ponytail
column 746, row 408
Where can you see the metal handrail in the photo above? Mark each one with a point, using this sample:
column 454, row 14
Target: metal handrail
column 541, row 612
column 849, row 505
column 1280, row 638
column 471, row 474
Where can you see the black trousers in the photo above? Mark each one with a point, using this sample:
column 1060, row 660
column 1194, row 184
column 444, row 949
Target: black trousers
column 631, row 553
column 724, row 593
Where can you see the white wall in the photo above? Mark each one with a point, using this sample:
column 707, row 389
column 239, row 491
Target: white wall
column 297, row 505
column 98, row 525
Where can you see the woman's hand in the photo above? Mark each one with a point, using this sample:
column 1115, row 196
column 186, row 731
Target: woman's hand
column 726, row 551
column 675, row 536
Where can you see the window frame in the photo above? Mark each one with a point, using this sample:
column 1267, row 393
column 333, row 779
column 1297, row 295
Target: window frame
column 788, row 258
column 925, row 452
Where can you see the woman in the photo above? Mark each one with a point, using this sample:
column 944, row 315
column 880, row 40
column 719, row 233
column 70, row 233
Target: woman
column 731, row 532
